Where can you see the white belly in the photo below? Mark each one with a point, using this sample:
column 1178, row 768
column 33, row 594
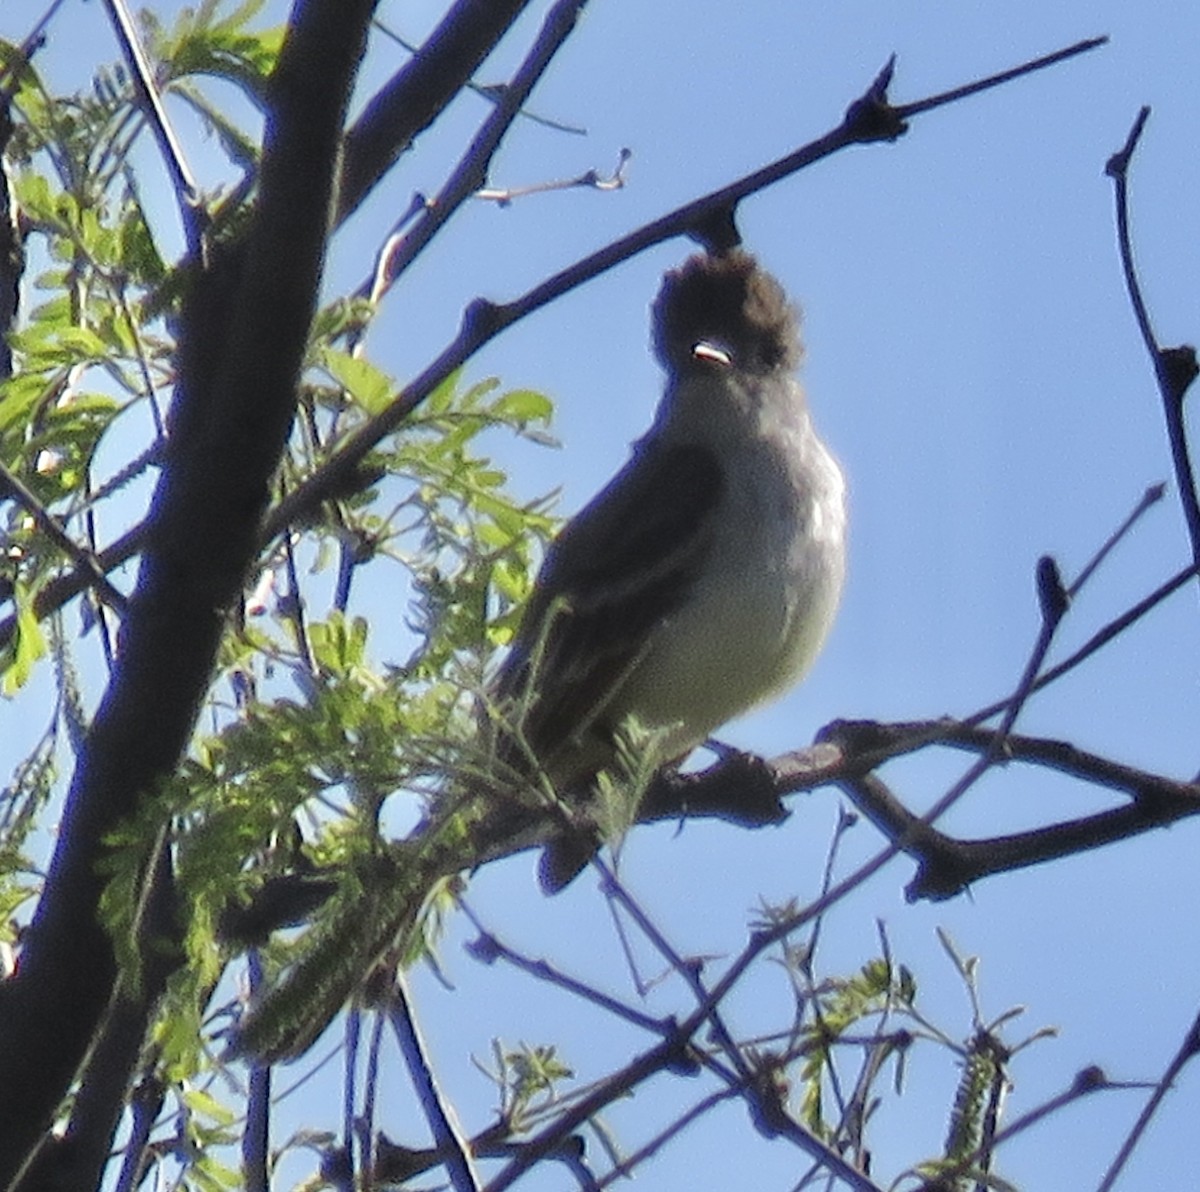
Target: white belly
column 759, row 615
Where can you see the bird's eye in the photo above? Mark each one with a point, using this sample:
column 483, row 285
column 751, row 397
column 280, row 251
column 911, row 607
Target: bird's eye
column 709, row 351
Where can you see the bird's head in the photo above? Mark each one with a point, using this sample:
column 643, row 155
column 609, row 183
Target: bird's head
column 724, row 311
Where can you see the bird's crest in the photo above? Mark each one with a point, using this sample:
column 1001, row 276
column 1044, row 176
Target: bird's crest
column 729, row 302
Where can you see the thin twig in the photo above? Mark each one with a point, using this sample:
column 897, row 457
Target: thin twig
column 11, row 485
column 1188, row 1050
column 385, row 270
column 592, row 179
column 488, row 948
column 187, row 193
column 630, row 1163
column 413, row 99
column 1099, row 639
column 996, row 80
column 32, row 43
column 1090, row 1080
column 489, row 91
column 689, row 970
column 295, row 609
column 1149, row 498
column 447, row 1134
column 470, row 174
column 1174, row 368
column 256, row 1135
column 1053, row 600
column 371, row 1098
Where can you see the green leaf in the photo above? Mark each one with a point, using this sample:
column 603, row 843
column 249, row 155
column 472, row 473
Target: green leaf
column 27, row 646
column 524, row 405
column 198, row 1101
column 368, row 386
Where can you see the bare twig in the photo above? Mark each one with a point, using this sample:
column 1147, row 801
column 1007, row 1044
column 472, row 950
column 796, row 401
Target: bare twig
column 1100, row 638
column 1174, row 368
column 913, row 829
column 1054, row 601
column 145, row 1104
column 32, row 43
column 996, row 80
column 1149, row 498
column 187, row 193
column 366, row 1120
column 491, row 92
column 688, row 969
column 488, row 948
column 354, row 1032
column 381, row 278
column 1188, row 1050
column 470, row 174
column 591, row 179
column 256, row 1134
column 628, row 1165
column 447, row 1133
column 416, row 95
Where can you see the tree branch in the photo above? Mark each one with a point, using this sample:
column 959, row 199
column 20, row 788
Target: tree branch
column 187, row 193
column 1174, row 368
column 470, row 174
column 946, row 866
column 447, row 1133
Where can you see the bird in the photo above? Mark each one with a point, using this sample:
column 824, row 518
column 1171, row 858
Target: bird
column 700, row 582
column 703, row 579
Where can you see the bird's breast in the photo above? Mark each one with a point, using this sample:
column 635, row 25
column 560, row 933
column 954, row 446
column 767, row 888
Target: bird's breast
column 762, row 604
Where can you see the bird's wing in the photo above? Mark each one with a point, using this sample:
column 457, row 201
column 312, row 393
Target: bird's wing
column 621, row 566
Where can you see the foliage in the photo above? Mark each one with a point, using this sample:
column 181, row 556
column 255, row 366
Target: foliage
column 94, row 360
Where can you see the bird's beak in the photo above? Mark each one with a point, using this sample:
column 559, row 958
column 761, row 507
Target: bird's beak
column 705, row 350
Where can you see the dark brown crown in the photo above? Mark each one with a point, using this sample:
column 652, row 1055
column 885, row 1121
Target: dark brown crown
column 727, row 300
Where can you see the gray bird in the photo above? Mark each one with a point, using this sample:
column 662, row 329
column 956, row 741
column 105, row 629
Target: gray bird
column 699, row 583
column 703, row 579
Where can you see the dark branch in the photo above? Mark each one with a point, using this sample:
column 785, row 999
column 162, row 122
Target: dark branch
column 13, row 488
column 187, row 194
column 1188, row 1050
column 997, row 80
column 1174, row 368
column 946, row 866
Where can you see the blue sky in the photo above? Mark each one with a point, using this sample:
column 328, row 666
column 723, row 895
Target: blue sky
column 972, row 360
